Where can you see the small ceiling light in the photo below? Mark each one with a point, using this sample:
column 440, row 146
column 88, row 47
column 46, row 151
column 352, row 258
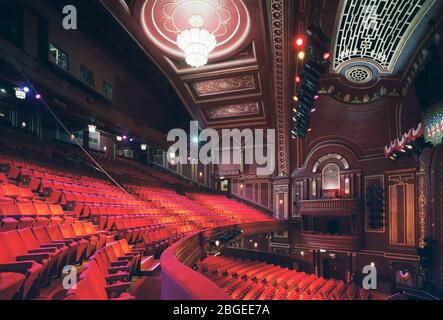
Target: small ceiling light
column 105, row 148
column 132, row 139
column 322, row 250
column 310, row 129
column 301, row 55
column 38, row 96
column 302, row 253
column 92, row 128
column 295, row 98
column 124, row 137
column 217, row 243
column 242, row 186
column 281, row 201
column 200, row 174
column 72, row 137
column 372, row 264
column 3, row 90
column 313, row 110
column 143, row 146
column 26, row 89
column 196, row 43
column 297, row 78
column 119, row 138
column 326, row 56
column 23, row 124
column 255, row 244
column 316, row 97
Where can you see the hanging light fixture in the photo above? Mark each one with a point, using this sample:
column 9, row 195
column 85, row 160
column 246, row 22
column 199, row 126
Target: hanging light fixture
column 196, row 43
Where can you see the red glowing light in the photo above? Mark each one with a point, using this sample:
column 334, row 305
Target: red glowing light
column 326, row 56
column 310, row 129
column 299, row 42
column 297, row 79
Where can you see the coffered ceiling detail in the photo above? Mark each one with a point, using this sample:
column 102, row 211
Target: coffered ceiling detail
column 231, row 84
column 234, row 110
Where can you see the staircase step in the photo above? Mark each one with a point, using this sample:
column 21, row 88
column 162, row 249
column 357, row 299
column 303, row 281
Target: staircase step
column 146, row 262
column 151, row 269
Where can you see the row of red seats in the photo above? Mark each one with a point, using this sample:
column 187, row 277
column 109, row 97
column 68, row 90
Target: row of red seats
column 107, row 274
column 245, row 280
column 39, row 254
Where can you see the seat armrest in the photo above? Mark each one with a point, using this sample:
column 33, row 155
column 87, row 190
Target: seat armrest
column 52, row 245
column 117, row 288
column 39, row 257
column 66, row 242
column 19, row 267
column 43, row 250
column 122, row 276
column 122, row 259
column 119, row 263
column 113, row 270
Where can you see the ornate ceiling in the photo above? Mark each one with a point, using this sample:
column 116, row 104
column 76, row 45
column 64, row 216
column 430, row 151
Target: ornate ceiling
column 234, row 88
column 378, row 47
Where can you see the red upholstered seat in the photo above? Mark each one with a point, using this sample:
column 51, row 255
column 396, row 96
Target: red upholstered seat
column 27, row 265
column 10, row 284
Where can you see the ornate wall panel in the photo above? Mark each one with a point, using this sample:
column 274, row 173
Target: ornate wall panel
column 279, row 35
column 402, row 209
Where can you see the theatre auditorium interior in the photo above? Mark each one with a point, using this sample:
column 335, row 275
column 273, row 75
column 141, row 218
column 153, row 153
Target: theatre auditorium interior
column 221, row 150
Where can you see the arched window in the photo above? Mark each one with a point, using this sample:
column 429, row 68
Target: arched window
column 331, row 177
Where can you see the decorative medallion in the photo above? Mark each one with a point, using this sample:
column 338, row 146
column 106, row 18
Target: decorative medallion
column 227, row 20
column 359, row 75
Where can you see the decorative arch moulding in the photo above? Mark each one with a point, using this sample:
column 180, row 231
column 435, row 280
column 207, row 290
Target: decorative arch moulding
column 228, row 20
column 349, row 93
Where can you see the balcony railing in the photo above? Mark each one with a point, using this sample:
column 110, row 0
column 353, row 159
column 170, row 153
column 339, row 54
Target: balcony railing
column 332, row 242
column 331, row 207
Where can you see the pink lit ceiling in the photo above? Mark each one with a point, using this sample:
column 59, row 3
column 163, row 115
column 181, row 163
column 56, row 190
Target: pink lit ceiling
column 228, row 20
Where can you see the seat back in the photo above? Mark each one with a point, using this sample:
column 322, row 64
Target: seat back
column 28, row 238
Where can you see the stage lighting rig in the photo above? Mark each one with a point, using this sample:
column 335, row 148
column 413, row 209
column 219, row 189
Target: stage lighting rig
column 316, row 63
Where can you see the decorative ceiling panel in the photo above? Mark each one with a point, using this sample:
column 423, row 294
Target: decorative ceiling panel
column 235, row 110
column 226, row 85
column 376, row 31
column 227, row 20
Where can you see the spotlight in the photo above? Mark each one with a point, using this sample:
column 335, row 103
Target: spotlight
column 310, row 129
column 297, row 79
column 105, row 148
column 124, row 137
column 313, row 110
column 299, row 42
column 217, row 243
column 143, row 147
column 316, row 97
column 295, row 98
column 119, row 138
column 72, row 137
column 23, row 125
column 301, row 55
column 132, row 139
column 38, row 96
column 26, row 89
column 92, row 128
column 326, row 56
column 2, row 90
